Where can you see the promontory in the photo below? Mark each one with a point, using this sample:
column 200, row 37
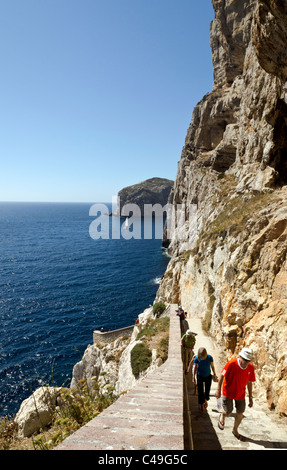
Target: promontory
column 151, row 191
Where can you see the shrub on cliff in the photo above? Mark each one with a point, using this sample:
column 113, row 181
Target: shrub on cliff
column 158, row 308
column 141, row 357
column 75, row 408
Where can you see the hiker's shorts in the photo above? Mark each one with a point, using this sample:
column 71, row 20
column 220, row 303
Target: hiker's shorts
column 227, row 405
column 186, row 356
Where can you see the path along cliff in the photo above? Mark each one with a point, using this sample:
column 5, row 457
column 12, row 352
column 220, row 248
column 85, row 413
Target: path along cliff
column 154, row 415
column 228, row 257
column 262, row 430
column 228, row 263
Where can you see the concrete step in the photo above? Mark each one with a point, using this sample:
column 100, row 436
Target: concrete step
column 155, row 415
column 149, row 417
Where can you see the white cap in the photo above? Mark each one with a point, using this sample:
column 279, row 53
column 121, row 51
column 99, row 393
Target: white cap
column 247, row 354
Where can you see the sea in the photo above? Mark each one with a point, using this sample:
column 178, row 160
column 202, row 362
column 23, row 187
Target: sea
column 57, row 285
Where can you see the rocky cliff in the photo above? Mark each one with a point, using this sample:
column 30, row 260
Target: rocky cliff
column 231, row 269
column 151, row 191
column 110, row 363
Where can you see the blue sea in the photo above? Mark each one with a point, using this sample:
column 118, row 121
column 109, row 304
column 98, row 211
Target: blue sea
column 57, row 285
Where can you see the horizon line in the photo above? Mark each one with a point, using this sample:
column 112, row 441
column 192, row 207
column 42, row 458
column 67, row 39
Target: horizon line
column 55, row 202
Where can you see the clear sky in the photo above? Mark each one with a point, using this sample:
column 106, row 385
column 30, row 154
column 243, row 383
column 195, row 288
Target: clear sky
column 97, row 95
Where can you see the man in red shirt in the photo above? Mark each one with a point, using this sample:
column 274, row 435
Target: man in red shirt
column 235, row 376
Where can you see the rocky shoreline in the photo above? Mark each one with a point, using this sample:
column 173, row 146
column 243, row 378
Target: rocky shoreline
column 231, row 270
column 107, row 363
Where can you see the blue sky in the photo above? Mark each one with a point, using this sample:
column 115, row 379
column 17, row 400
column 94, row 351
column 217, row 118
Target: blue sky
column 97, row 95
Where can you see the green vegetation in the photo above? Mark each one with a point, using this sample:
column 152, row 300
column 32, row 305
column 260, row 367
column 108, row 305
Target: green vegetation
column 233, row 217
column 154, row 327
column 158, row 308
column 141, row 357
column 76, row 407
column 155, row 335
column 162, row 352
column 235, row 213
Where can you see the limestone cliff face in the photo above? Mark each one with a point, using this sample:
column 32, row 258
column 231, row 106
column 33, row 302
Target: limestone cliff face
column 110, row 363
column 151, row 191
column 231, row 269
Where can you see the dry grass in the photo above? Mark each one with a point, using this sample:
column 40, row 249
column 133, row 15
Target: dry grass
column 232, row 219
column 76, row 408
column 234, row 210
column 233, row 213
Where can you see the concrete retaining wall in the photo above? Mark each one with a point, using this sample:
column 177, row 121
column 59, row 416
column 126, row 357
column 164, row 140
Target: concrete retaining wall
column 108, row 336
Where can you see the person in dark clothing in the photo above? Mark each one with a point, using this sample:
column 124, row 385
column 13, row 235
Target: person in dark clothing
column 203, row 363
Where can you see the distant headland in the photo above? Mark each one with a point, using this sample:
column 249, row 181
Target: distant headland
column 151, row 191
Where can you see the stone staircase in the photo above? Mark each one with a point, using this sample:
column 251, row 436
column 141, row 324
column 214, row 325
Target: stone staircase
column 260, row 428
column 161, row 413
column 149, row 417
